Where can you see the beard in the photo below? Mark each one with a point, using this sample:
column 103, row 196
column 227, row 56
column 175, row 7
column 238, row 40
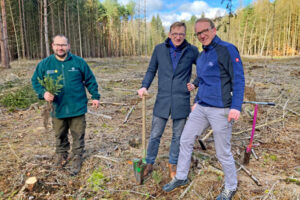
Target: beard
column 62, row 54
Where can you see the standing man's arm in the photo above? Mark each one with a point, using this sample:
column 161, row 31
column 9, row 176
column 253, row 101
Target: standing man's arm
column 91, row 84
column 236, row 71
column 150, row 74
column 195, row 83
column 38, row 88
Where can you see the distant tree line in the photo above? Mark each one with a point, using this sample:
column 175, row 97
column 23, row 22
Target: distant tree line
column 105, row 29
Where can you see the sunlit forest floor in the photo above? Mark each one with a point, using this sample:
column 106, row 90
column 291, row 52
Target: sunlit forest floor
column 27, row 149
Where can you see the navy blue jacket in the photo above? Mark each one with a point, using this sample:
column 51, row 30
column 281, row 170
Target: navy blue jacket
column 173, row 96
column 221, row 76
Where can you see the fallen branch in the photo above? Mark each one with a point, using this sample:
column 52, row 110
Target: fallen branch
column 191, row 184
column 128, row 114
column 262, row 125
column 114, row 103
column 249, row 174
column 209, row 169
column 18, row 158
column 110, row 103
column 271, row 190
column 100, row 115
column 106, row 158
column 294, row 112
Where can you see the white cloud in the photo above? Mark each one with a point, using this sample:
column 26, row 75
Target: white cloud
column 154, row 5
column 187, row 10
column 194, row 7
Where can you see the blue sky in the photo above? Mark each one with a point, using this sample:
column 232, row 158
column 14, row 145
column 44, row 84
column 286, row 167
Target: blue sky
column 176, row 10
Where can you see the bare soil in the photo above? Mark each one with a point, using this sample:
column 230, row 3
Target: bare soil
column 27, row 149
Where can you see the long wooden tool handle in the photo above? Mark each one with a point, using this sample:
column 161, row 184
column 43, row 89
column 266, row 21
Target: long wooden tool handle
column 144, row 125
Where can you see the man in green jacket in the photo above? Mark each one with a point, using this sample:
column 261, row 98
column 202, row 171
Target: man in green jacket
column 70, row 104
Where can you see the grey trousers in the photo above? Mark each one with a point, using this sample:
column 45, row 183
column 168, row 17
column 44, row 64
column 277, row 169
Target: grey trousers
column 198, row 121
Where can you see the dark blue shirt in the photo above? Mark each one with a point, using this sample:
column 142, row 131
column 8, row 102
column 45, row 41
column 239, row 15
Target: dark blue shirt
column 175, row 54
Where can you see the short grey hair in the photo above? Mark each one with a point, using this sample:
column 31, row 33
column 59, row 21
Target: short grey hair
column 211, row 23
column 60, row 35
column 178, row 24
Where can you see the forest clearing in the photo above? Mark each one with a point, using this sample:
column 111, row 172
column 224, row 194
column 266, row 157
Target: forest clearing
column 27, row 148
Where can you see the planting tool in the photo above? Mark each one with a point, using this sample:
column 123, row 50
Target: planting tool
column 249, row 147
column 139, row 165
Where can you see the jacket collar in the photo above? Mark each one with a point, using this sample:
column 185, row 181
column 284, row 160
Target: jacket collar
column 213, row 44
column 169, row 44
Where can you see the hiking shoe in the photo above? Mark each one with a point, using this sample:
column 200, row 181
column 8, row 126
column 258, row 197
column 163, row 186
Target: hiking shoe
column 76, row 165
column 172, row 170
column 226, row 194
column 60, row 160
column 148, row 170
column 174, row 184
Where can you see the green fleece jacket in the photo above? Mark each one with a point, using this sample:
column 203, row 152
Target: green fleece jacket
column 72, row 100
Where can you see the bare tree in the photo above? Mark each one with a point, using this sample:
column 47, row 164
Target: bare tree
column 79, row 31
column 14, row 27
column 41, row 30
column 3, row 37
column 46, row 28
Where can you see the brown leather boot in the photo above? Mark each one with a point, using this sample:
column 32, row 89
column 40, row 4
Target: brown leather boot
column 148, row 170
column 172, row 170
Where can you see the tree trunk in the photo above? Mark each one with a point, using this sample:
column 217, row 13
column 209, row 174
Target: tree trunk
column 46, row 28
column 21, row 31
column 41, row 31
column 25, row 31
column 65, row 18
column 58, row 18
column 4, row 49
column 79, row 31
column 15, row 31
column 52, row 21
column 244, row 36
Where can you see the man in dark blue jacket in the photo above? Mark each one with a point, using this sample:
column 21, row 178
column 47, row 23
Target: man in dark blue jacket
column 218, row 104
column 173, row 61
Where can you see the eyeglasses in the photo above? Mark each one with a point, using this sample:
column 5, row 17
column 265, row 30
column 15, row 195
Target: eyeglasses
column 205, row 31
column 178, row 34
column 60, row 45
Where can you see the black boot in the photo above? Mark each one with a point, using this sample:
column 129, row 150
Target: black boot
column 76, row 165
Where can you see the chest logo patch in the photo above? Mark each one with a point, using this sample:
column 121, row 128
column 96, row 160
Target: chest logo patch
column 51, row 71
column 73, row 69
column 210, row 64
column 237, row 59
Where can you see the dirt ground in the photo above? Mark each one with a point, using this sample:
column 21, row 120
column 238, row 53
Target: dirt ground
column 27, row 149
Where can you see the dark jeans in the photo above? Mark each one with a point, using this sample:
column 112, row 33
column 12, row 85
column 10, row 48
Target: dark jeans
column 158, row 127
column 77, row 128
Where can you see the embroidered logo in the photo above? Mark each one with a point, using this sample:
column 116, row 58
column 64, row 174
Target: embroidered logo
column 237, row 59
column 51, row 71
column 210, row 64
column 73, row 69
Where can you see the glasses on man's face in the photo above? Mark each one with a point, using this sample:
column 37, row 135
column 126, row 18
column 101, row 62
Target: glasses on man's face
column 178, row 34
column 205, row 31
column 60, row 45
